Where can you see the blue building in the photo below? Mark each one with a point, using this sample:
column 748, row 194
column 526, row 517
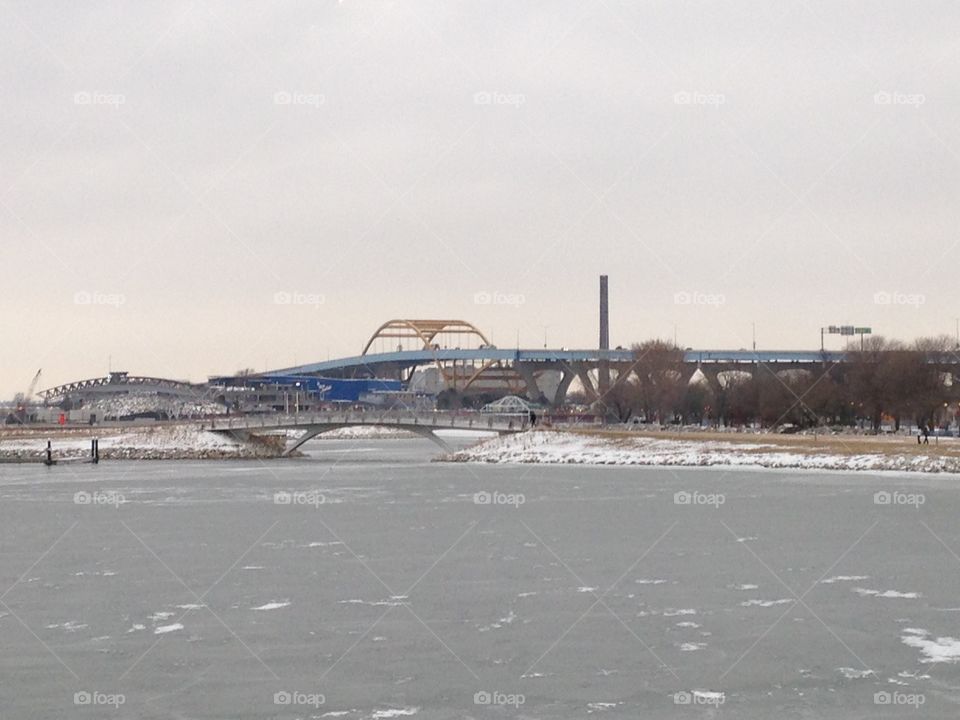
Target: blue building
column 284, row 393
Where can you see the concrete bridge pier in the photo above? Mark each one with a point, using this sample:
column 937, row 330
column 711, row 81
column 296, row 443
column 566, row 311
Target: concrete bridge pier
column 428, row 433
column 534, row 392
column 589, row 389
column 567, row 374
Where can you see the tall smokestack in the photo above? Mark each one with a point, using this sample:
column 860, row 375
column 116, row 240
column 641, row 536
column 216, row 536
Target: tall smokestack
column 604, row 314
column 604, row 367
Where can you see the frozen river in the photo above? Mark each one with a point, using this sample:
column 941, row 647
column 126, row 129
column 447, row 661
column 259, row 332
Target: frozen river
column 366, row 582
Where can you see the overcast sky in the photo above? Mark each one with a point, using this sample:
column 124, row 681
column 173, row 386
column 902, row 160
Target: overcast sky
column 191, row 188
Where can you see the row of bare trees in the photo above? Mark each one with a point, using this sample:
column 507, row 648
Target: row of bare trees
column 885, row 382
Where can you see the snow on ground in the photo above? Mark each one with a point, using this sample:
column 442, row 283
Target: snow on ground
column 152, row 442
column 575, row 448
column 142, row 403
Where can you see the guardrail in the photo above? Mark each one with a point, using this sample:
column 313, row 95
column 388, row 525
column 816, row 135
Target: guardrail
column 442, row 421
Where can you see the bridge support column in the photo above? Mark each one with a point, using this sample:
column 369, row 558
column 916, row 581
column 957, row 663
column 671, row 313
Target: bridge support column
column 308, row 435
column 588, row 388
column 534, row 392
column 566, row 377
column 430, row 435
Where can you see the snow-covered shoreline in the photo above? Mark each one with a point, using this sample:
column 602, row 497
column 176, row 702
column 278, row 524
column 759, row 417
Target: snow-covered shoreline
column 176, row 442
column 558, row 447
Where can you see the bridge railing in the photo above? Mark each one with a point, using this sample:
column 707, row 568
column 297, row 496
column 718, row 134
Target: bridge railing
column 441, row 420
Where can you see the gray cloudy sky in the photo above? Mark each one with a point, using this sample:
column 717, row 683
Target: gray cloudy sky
column 172, row 172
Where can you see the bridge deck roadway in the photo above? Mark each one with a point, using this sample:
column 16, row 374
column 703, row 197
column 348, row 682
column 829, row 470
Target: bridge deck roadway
column 411, row 358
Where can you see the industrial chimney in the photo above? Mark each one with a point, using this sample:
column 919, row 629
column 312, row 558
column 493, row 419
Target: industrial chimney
column 604, row 314
column 604, row 367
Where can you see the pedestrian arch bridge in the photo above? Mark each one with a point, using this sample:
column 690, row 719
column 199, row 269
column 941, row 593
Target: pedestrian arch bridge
column 313, row 424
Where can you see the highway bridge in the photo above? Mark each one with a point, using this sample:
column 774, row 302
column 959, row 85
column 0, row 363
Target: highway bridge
column 313, row 424
column 521, row 371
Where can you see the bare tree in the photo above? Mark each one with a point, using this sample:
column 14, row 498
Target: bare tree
column 657, row 367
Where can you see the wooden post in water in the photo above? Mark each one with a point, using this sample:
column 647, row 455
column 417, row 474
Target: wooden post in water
column 49, row 459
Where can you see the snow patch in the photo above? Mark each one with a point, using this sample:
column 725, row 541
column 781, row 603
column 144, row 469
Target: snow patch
column 273, row 605
column 934, row 650
column 864, row 592
column 844, row 578
column 164, row 629
column 766, row 603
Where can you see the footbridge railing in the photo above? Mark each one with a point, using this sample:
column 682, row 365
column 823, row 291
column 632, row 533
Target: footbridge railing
column 390, row 418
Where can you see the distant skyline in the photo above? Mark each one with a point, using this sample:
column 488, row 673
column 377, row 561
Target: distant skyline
column 188, row 189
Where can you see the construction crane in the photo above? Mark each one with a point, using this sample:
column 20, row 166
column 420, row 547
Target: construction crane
column 23, row 401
